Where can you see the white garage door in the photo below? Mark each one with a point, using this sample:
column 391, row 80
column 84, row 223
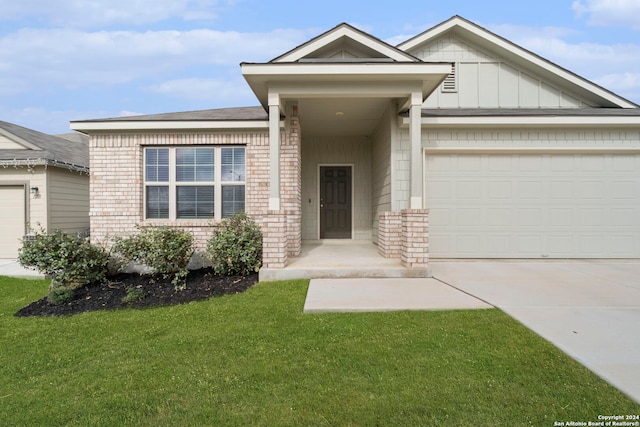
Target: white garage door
column 12, row 220
column 533, row 205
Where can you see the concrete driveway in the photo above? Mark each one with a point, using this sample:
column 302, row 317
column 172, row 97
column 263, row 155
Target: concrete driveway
column 588, row 309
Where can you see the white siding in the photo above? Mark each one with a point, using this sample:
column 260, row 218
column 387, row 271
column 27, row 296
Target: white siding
column 336, row 150
column 487, row 81
column 68, row 200
column 381, row 170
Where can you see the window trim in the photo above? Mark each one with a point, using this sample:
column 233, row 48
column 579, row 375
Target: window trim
column 173, row 184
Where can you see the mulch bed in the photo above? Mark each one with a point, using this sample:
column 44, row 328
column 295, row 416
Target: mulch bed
column 156, row 291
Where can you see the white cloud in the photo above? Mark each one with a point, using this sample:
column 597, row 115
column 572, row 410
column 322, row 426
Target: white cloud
column 126, row 113
column 91, row 13
column 73, row 59
column 610, row 12
column 216, row 91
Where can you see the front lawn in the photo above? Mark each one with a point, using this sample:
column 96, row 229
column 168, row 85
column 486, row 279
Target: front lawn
column 255, row 359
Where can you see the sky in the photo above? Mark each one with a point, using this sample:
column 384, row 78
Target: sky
column 64, row 60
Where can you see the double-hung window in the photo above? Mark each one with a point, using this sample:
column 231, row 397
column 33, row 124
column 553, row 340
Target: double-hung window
column 194, row 182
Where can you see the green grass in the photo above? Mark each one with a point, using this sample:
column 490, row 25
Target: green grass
column 255, row 359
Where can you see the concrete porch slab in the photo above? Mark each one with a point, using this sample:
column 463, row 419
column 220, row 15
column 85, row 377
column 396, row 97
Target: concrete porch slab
column 341, row 259
column 376, row 294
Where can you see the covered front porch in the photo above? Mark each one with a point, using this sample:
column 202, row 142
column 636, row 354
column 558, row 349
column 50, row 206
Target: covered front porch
column 341, row 259
column 340, row 168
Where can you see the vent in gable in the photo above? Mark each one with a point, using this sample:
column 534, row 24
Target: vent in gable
column 450, row 82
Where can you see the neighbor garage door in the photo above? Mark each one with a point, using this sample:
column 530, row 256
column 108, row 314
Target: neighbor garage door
column 533, row 205
column 12, row 220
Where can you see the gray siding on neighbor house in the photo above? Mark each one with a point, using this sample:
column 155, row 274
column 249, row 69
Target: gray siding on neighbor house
column 68, row 200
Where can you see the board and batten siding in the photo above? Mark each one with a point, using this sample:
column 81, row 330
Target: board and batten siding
column 340, row 150
column 485, row 81
column 68, row 200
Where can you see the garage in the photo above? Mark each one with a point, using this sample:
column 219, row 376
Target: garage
column 533, row 205
column 12, row 220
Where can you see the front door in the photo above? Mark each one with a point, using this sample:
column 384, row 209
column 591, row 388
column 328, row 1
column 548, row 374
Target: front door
column 335, row 202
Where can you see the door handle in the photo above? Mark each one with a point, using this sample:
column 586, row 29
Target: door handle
column 321, row 202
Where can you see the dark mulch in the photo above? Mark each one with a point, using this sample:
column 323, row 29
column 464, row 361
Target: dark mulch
column 201, row 284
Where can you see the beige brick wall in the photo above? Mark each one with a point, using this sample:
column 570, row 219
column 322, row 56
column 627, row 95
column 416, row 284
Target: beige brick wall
column 116, row 205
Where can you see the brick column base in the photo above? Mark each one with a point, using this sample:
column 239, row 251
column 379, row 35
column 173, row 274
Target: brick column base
column 415, row 238
column 390, row 234
column 275, row 240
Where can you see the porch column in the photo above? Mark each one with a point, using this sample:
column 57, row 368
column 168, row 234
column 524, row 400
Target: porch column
column 274, row 152
column 417, row 157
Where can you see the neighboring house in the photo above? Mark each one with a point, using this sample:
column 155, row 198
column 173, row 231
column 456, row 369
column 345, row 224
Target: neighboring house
column 44, row 183
column 491, row 150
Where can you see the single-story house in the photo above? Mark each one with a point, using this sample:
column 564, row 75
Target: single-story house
column 456, row 143
column 44, row 183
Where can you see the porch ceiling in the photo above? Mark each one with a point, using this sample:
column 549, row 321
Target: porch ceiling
column 359, row 116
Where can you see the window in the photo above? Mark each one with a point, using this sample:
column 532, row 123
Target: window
column 194, row 182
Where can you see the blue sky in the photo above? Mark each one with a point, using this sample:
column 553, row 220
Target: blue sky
column 80, row 59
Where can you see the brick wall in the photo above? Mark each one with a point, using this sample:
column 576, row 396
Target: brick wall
column 415, row 238
column 116, row 205
column 390, row 234
column 291, row 182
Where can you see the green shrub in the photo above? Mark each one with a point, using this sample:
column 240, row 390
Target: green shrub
column 236, row 246
column 133, row 294
column 165, row 250
column 71, row 261
column 59, row 295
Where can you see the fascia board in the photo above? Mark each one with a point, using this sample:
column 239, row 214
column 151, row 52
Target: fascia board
column 532, row 121
column 344, row 32
column 428, row 35
column 169, row 125
column 286, row 71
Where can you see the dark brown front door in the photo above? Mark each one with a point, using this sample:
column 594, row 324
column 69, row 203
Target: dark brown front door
column 335, row 202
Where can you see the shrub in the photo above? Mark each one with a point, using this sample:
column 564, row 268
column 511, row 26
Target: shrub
column 236, row 246
column 59, row 295
column 134, row 294
column 71, row 261
column 165, row 250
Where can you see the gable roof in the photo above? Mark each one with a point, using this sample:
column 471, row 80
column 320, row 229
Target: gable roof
column 42, row 149
column 506, row 49
column 345, row 36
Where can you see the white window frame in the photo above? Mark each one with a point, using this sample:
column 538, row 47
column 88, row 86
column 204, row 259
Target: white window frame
column 173, row 184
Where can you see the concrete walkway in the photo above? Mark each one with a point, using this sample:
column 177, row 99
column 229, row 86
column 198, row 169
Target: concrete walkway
column 590, row 310
column 11, row 267
column 376, row 294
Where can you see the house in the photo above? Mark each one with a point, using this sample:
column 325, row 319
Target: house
column 44, row 183
column 454, row 144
